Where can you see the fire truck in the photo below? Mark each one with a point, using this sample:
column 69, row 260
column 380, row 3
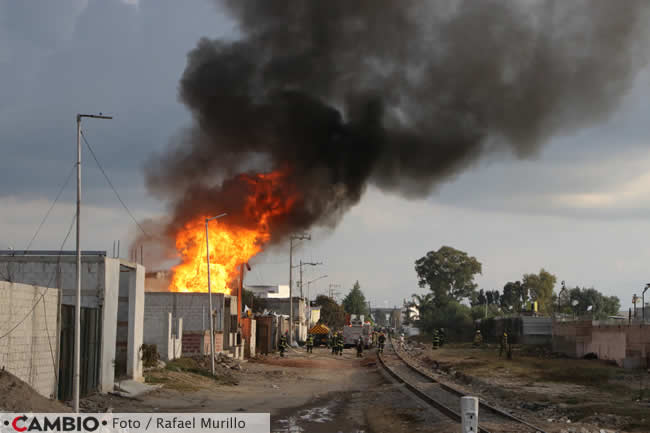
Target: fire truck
column 354, row 328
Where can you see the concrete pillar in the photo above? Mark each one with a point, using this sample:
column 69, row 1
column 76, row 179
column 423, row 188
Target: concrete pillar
column 136, row 321
column 469, row 414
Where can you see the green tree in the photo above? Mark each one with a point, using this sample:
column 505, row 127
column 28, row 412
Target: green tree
column 540, row 286
column 514, row 297
column 448, row 273
column 355, row 301
column 590, row 302
column 331, row 313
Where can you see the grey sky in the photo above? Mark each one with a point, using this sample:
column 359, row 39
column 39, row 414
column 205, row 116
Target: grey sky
column 579, row 208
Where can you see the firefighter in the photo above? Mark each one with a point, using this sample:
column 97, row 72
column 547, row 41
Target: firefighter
column 332, row 343
column 478, row 338
column 341, row 344
column 310, row 343
column 360, row 347
column 436, row 339
column 283, row 344
column 381, row 339
column 443, row 336
column 504, row 348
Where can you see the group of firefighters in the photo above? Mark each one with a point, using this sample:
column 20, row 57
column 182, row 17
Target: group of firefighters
column 336, row 342
column 504, row 348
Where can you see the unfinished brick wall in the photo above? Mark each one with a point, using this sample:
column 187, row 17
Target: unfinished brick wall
column 30, row 351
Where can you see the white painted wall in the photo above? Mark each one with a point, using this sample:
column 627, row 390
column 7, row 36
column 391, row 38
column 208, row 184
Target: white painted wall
column 30, row 351
column 110, row 298
column 136, row 319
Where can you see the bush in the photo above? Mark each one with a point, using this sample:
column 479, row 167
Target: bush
column 150, row 355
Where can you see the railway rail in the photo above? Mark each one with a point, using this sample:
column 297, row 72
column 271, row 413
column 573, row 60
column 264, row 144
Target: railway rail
column 446, row 399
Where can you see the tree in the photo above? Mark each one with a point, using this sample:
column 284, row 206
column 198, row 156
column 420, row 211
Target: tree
column 590, row 302
column 540, row 286
column 448, row 273
column 355, row 302
column 514, row 297
column 331, row 313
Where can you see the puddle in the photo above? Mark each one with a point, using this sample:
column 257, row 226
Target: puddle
column 324, row 416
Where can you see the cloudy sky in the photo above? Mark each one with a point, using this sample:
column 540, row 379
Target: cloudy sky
column 579, row 208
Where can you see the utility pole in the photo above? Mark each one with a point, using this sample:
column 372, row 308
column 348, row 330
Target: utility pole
column 207, row 255
column 331, row 292
column 77, row 306
column 291, row 239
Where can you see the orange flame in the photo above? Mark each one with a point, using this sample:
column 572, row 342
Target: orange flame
column 230, row 245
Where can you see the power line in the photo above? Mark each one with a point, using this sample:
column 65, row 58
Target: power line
column 47, row 287
column 92, row 152
column 51, row 207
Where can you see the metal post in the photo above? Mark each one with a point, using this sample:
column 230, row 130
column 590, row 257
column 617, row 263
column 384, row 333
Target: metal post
column 77, row 304
column 77, row 316
column 301, row 295
column 207, row 254
column 469, row 414
column 291, row 290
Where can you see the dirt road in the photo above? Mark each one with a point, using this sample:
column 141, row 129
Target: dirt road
column 313, row 393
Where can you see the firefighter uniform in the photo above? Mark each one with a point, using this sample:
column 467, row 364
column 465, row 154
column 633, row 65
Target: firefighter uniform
column 478, row 338
column 443, row 336
column 381, row 340
column 504, row 344
column 283, row 345
column 310, row 343
column 436, row 339
column 341, row 344
column 360, row 348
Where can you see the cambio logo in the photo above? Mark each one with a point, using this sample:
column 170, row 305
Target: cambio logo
column 55, row 424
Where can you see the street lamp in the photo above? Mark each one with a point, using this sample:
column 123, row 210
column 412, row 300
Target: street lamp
column 77, row 306
column 207, row 254
column 559, row 298
column 312, row 281
column 643, row 301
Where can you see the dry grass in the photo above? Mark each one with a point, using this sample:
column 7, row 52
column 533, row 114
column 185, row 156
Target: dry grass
column 584, row 386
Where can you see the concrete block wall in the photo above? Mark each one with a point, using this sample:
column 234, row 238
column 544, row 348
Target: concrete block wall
column 192, row 307
column 30, row 351
column 165, row 332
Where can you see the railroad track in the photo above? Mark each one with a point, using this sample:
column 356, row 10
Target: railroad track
column 446, row 399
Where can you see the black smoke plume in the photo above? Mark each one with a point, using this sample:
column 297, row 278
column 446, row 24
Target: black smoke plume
column 400, row 94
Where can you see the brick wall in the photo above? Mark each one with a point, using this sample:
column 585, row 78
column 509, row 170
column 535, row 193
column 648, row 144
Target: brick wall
column 25, row 352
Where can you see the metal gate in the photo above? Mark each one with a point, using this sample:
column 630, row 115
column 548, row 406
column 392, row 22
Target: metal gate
column 89, row 355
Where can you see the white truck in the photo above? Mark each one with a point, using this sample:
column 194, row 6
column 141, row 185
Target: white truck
column 357, row 328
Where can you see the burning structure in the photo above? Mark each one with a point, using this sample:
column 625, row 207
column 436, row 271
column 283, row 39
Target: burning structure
column 318, row 100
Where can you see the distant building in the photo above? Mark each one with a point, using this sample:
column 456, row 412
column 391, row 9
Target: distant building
column 271, row 292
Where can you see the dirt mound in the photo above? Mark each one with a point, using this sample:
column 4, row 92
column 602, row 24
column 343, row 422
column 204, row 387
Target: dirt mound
column 17, row 396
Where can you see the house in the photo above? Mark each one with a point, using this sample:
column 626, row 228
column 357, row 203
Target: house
column 112, row 308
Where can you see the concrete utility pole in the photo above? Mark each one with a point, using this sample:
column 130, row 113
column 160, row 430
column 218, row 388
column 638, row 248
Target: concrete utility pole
column 291, row 239
column 207, row 255
column 77, row 305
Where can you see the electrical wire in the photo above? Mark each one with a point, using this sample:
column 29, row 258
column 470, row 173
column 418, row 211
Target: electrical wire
column 92, row 152
column 29, row 313
column 47, row 214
